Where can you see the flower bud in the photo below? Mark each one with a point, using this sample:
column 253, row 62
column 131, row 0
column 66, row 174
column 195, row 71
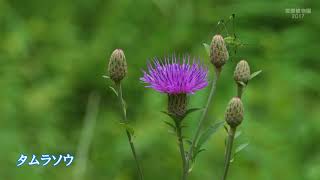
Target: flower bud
column 117, row 65
column 177, row 104
column 234, row 112
column 242, row 72
column 218, row 51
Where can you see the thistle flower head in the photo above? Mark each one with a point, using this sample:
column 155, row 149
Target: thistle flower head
column 234, row 112
column 117, row 65
column 173, row 76
column 218, row 51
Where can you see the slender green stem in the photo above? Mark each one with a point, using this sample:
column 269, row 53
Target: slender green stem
column 240, row 90
column 230, row 139
column 182, row 152
column 134, row 154
column 231, row 134
column 203, row 117
column 121, row 101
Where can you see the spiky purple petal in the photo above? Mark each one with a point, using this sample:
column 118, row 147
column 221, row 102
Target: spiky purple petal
column 173, row 77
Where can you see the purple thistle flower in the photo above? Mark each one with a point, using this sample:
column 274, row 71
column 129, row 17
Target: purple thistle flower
column 174, row 77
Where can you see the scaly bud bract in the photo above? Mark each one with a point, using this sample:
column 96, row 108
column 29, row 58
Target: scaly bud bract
column 242, row 72
column 117, row 65
column 177, row 104
column 218, row 51
column 234, row 112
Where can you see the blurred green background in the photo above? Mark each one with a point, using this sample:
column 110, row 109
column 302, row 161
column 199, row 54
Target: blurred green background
column 53, row 55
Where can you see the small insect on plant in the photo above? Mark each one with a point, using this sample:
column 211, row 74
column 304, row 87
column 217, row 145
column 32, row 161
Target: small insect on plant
column 231, row 38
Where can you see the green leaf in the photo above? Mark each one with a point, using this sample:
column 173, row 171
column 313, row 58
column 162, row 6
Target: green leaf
column 195, row 153
column 241, row 147
column 188, row 141
column 238, row 149
column 128, row 128
column 242, row 83
column 131, row 130
column 191, row 110
column 172, row 132
column 113, row 90
column 207, row 48
column 107, row 77
column 238, row 133
column 226, row 129
column 204, row 137
column 191, row 167
column 180, row 118
column 174, row 118
column 170, row 125
column 183, row 126
column 255, row 74
column 166, row 113
column 198, row 152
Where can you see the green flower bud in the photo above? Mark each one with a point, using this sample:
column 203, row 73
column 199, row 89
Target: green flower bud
column 234, row 112
column 117, row 65
column 218, row 51
column 242, row 72
column 177, row 104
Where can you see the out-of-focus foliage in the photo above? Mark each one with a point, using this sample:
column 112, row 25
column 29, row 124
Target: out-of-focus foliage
column 53, row 55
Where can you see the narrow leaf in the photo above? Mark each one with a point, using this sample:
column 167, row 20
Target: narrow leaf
column 238, row 133
column 113, row 90
column 183, row 126
column 226, row 128
column 188, row 141
column 204, row 137
column 128, row 128
column 107, row 77
column 165, row 112
column 170, row 125
column 207, row 48
column 241, row 147
column 172, row 132
column 191, row 167
column 255, row 74
column 242, row 83
column 170, row 115
column 198, row 152
column 131, row 130
column 191, row 110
